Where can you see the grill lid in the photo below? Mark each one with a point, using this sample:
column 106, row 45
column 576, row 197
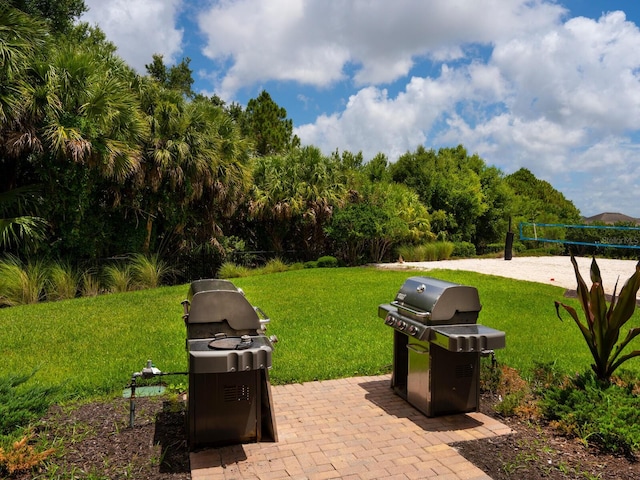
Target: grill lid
column 436, row 301
column 213, row 306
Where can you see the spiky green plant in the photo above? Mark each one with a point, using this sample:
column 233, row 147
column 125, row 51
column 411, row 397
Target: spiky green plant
column 444, row 250
column 19, row 283
column 63, row 282
column 148, row 270
column 89, row 284
column 426, row 252
column 275, row 265
column 601, row 329
column 231, row 270
column 118, row 278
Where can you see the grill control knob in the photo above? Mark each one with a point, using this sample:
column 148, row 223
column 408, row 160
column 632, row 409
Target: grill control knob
column 390, row 320
column 401, row 325
column 412, row 329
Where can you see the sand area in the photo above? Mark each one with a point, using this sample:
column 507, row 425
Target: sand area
column 552, row 270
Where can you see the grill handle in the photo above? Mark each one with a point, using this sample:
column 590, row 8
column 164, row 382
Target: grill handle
column 264, row 320
column 419, row 349
column 261, row 313
column 410, row 312
column 185, row 307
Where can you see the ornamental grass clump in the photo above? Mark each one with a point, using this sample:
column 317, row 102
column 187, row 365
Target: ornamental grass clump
column 148, row 271
column 63, row 282
column 602, row 326
column 21, row 283
column 118, row 278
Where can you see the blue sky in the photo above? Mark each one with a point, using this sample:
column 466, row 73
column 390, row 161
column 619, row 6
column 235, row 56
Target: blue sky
column 551, row 86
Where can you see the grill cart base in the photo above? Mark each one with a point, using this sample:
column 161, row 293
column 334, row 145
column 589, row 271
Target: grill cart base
column 228, row 408
column 434, row 380
column 437, row 345
column 229, row 356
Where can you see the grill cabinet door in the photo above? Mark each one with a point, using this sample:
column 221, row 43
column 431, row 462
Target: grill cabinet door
column 223, row 408
column 455, row 377
column 419, row 376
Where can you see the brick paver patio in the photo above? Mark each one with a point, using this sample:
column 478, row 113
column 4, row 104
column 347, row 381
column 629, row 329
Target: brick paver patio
column 352, row 428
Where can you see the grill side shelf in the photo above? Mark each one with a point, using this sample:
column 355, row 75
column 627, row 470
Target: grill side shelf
column 467, row 338
column 384, row 309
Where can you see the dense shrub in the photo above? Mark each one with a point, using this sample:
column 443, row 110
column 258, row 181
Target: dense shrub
column 601, row 414
column 463, row 250
column 327, row 262
column 311, row 264
column 517, row 247
column 426, row 252
column 19, row 404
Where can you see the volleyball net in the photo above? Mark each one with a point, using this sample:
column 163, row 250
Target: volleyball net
column 604, row 236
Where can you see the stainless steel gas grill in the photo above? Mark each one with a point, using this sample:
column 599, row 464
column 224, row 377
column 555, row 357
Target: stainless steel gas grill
column 229, row 397
column 437, row 345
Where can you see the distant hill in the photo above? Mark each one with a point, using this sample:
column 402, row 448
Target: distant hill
column 610, row 218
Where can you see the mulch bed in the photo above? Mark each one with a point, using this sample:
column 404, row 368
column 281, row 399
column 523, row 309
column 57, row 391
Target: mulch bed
column 95, row 440
column 534, row 451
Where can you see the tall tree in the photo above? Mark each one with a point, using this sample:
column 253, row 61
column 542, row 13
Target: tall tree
column 21, row 37
column 377, row 169
column 79, row 107
column 447, row 181
column 493, row 224
column 266, row 123
column 177, row 77
column 536, row 200
column 58, row 14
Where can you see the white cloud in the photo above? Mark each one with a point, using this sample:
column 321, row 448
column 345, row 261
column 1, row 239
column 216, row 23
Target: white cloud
column 584, row 74
column 312, row 41
column 139, row 28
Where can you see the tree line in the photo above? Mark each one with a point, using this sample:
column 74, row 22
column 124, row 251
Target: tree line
column 98, row 161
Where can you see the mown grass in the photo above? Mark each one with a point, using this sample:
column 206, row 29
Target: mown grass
column 326, row 321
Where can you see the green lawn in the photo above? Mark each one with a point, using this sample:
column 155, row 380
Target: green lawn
column 326, row 321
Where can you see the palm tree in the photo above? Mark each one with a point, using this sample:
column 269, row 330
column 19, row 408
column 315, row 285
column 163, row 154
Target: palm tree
column 18, row 229
column 230, row 179
column 299, row 190
column 78, row 106
column 77, row 132
column 194, row 163
column 273, row 201
column 20, row 37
